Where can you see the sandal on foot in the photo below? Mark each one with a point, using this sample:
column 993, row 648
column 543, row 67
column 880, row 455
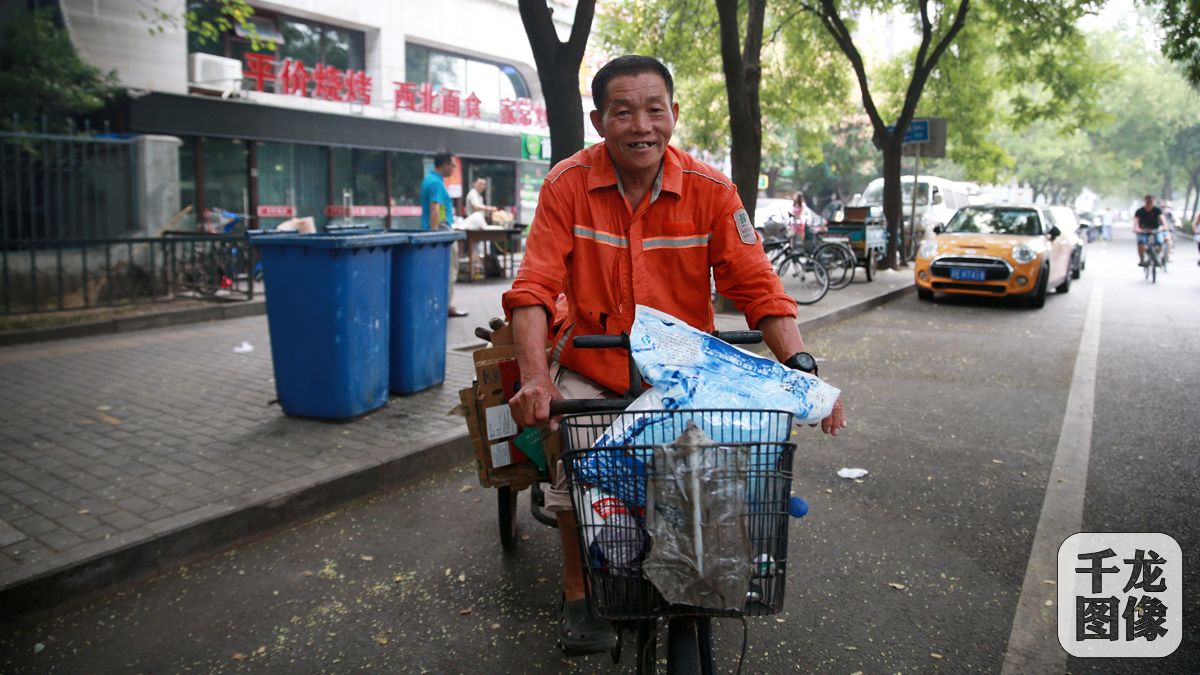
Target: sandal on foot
column 581, row 633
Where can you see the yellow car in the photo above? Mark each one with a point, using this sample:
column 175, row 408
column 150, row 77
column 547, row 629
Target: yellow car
column 996, row 250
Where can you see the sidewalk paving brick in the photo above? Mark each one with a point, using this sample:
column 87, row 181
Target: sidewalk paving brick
column 114, row 439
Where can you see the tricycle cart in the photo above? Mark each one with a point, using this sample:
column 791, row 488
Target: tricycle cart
column 865, row 236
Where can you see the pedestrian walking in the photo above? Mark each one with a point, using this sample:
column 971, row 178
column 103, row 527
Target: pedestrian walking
column 437, row 212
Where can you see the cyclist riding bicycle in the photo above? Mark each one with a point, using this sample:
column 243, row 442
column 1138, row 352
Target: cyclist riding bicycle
column 626, row 222
column 1148, row 222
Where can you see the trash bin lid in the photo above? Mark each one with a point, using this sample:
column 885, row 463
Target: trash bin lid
column 354, row 239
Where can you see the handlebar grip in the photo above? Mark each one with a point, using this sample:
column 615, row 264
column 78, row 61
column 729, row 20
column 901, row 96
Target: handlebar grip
column 601, row 342
column 596, row 405
column 739, row 337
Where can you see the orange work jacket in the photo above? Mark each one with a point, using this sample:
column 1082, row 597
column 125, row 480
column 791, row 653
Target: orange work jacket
column 585, row 242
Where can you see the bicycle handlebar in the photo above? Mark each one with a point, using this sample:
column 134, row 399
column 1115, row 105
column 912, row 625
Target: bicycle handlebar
column 571, row 406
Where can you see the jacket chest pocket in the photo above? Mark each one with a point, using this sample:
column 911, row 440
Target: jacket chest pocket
column 674, row 229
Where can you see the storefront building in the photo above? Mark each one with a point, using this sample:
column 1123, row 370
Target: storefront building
column 339, row 117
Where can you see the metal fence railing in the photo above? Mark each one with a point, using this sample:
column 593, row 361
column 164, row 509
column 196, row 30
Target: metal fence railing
column 46, row 275
column 66, row 187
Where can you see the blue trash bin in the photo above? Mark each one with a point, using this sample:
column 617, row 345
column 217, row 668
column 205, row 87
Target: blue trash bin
column 328, row 312
column 420, row 300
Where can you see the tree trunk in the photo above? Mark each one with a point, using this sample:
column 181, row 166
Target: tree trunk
column 1196, row 199
column 889, row 141
column 772, row 178
column 1193, row 196
column 743, row 74
column 893, row 199
column 558, row 71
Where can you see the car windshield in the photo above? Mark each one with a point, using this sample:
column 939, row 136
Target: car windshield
column 767, row 208
column 874, row 194
column 995, row 221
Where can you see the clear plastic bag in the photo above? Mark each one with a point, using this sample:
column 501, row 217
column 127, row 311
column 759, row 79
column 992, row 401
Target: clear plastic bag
column 696, row 519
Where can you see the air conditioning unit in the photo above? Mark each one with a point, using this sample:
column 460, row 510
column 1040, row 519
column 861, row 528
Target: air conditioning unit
column 215, row 73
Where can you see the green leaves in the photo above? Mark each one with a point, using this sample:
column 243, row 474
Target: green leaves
column 41, row 74
column 1181, row 21
column 804, row 89
column 208, row 20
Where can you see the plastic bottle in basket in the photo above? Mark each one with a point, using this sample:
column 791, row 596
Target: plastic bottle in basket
column 611, row 529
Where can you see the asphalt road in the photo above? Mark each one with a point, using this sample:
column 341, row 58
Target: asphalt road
column 956, row 410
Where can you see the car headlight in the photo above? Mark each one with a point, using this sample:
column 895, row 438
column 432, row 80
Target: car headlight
column 1023, row 253
column 928, row 249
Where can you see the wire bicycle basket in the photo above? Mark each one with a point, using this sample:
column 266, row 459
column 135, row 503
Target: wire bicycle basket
column 613, row 488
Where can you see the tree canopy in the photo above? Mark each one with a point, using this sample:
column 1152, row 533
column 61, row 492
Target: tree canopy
column 1180, row 20
column 41, row 74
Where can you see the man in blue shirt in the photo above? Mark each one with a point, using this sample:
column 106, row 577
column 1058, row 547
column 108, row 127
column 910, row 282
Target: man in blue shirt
column 433, row 190
column 437, row 211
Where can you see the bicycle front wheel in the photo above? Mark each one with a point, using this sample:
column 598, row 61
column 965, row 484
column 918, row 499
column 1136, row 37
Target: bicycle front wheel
column 839, row 262
column 803, row 278
column 689, row 649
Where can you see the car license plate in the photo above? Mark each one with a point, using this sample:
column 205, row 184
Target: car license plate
column 967, row 274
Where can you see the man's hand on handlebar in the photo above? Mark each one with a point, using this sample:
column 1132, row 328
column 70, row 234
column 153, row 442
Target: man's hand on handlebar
column 530, row 406
column 836, row 420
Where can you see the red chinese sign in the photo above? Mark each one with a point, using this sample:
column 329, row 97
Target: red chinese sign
column 272, row 211
column 294, row 79
column 450, row 102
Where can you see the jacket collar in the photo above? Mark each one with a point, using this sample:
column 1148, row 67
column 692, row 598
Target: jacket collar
column 604, row 174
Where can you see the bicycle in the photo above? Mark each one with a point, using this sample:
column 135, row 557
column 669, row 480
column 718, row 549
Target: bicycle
column 1152, row 257
column 617, row 590
column 833, row 252
column 804, row 278
column 838, row 259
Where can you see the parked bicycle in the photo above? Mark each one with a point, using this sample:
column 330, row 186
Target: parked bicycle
column 804, row 277
column 207, row 267
column 838, row 259
column 616, row 588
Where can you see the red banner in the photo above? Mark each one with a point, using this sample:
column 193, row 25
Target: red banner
column 268, row 211
column 408, row 210
column 362, row 211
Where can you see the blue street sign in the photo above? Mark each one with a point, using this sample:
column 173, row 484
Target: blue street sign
column 918, row 131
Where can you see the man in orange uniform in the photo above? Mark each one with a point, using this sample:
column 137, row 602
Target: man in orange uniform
column 631, row 221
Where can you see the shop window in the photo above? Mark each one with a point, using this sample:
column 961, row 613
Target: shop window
column 312, row 42
column 407, row 172
column 359, row 176
column 293, row 175
column 501, row 178
column 316, row 43
column 489, row 81
column 226, row 184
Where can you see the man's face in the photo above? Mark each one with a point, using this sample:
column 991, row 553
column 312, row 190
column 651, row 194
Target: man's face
column 480, row 185
column 446, row 169
column 1149, row 203
column 637, row 121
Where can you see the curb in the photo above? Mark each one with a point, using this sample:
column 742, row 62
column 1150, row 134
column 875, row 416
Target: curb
column 856, row 309
column 165, row 545
column 131, row 323
column 185, row 538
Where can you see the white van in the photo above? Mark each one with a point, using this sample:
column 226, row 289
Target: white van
column 938, row 200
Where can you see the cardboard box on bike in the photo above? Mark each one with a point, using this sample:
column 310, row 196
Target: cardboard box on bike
column 499, row 460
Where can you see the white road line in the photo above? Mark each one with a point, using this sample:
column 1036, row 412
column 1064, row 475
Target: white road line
column 1033, row 643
